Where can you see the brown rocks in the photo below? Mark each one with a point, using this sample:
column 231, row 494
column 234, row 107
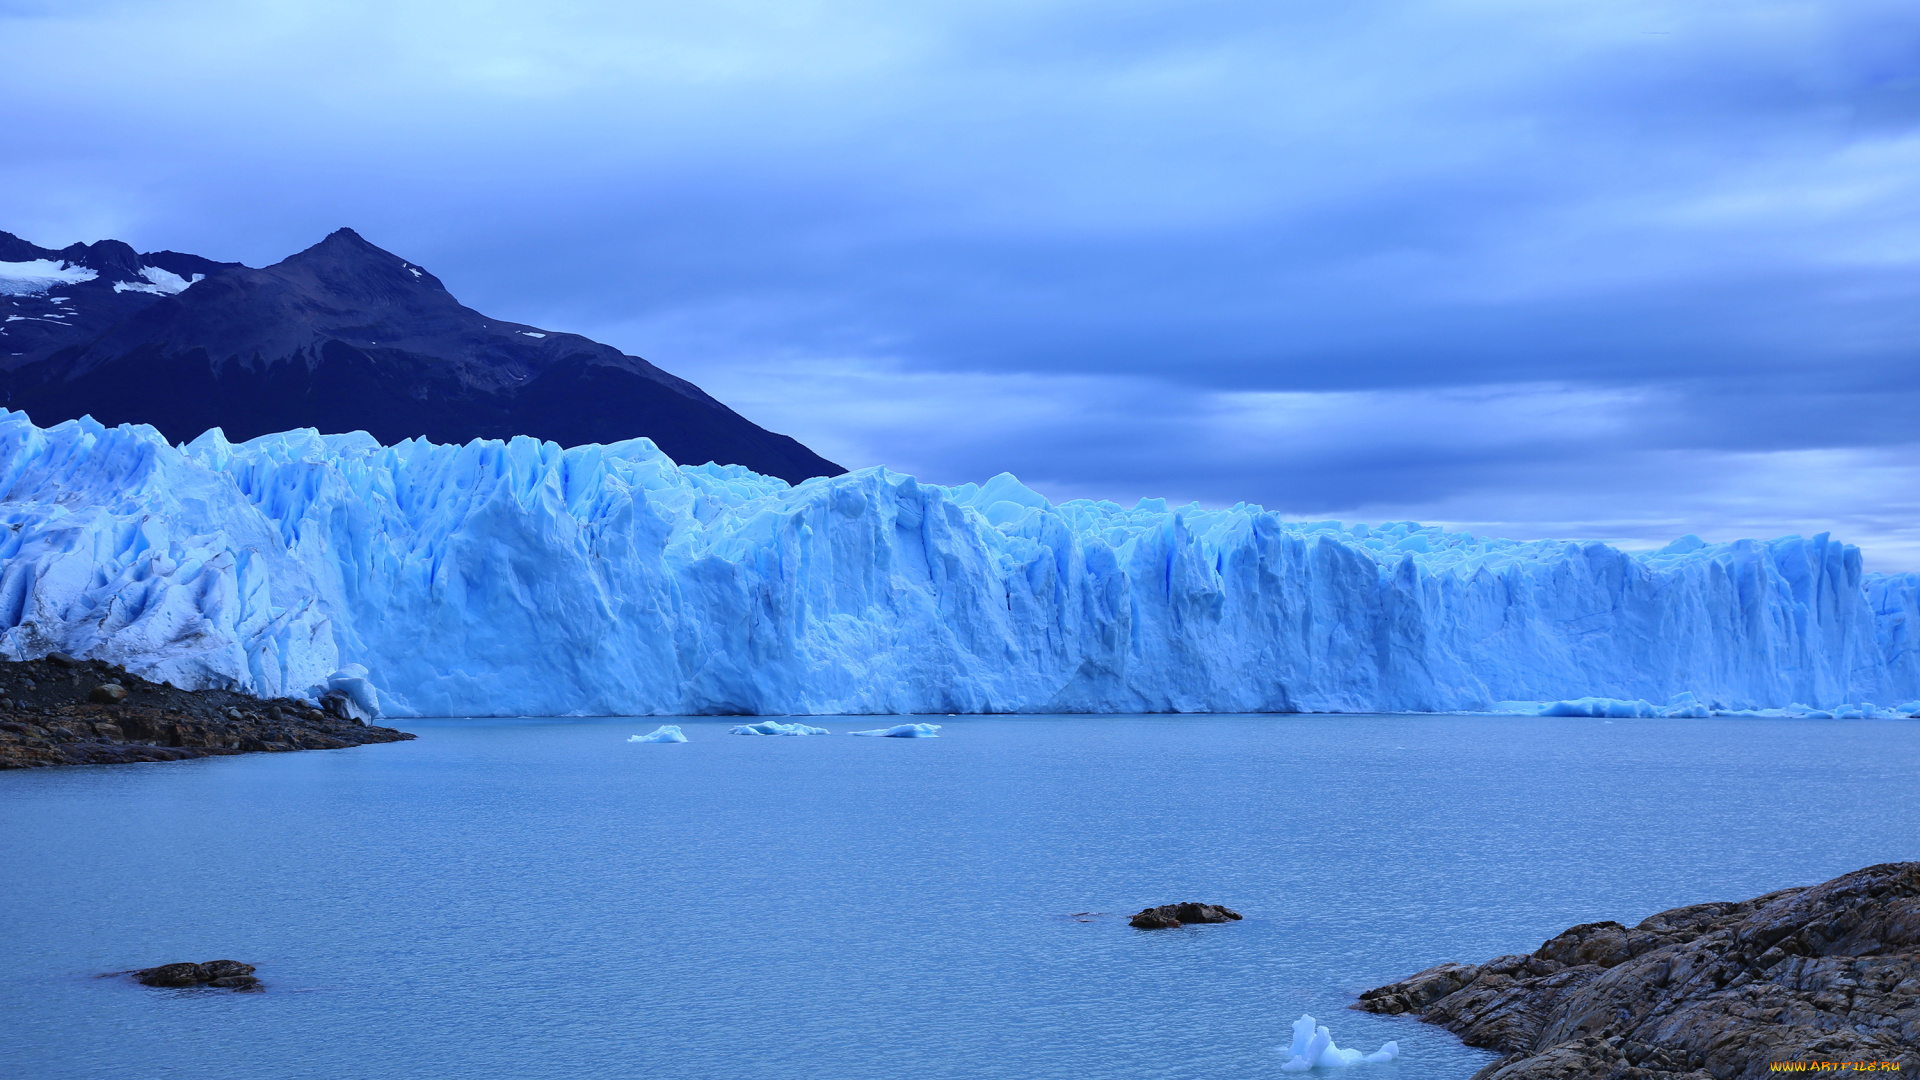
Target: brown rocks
column 1153, row 919
column 111, row 693
column 1173, row 916
column 220, row 974
column 61, row 711
column 1829, row 973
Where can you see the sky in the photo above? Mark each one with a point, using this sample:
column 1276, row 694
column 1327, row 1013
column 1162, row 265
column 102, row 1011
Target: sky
column 1534, row 268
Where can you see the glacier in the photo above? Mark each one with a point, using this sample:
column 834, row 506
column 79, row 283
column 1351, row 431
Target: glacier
column 520, row 578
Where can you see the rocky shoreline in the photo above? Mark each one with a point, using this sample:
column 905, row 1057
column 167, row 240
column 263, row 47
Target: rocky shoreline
column 1825, row 974
column 61, row 711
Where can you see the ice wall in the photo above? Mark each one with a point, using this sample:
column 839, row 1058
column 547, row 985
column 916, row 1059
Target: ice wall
column 520, row 578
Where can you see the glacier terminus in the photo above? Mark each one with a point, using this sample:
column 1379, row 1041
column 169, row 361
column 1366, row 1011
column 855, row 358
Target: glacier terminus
column 519, row 578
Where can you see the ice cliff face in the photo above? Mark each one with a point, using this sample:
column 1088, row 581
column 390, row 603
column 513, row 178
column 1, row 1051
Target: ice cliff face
column 520, row 578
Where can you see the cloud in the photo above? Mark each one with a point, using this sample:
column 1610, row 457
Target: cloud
column 1623, row 267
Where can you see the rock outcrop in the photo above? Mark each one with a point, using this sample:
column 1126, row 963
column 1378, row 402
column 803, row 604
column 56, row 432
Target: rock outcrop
column 1828, row 973
column 1173, row 916
column 61, row 711
column 218, row 974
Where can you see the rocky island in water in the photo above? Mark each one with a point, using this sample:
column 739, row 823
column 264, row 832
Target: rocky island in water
column 61, row 711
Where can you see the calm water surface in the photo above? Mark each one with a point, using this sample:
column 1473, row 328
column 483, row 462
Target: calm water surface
column 538, row 898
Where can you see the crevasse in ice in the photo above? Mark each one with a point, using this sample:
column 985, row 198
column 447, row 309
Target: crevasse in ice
column 519, row 578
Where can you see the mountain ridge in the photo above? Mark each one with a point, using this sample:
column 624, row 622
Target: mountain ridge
column 341, row 336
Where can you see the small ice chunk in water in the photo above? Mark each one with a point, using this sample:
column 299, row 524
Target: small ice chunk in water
column 1313, row 1048
column 905, row 731
column 663, row 733
column 771, row 727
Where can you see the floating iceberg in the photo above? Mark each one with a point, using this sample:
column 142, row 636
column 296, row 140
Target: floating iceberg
column 520, row 578
column 1313, row 1048
column 904, row 731
column 769, row 727
column 663, row 733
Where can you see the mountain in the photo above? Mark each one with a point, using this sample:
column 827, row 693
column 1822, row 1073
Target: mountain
column 341, row 337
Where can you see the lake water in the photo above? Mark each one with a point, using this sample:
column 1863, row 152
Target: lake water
column 539, row 898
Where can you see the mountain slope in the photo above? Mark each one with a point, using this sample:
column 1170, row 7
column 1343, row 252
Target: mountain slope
column 342, row 336
column 52, row 299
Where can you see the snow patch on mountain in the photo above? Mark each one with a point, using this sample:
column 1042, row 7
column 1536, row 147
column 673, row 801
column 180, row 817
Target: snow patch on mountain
column 37, row 276
column 158, row 282
column 518, row 578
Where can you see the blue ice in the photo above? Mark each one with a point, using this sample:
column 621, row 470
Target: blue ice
column 904, row 731
column 522, row 578
column 1313, row 1048
column 770, row 727
column 663, row 733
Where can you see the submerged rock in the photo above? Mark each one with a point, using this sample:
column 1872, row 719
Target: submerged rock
column 1828, row 973
column 1173, row 916
column 220, row 974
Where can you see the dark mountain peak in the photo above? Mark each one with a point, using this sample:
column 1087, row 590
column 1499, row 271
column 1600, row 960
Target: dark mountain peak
column 14, row 249
column 112, row 260
column 347, row 265
column 104, row 257
column 185, row 265
column 341, row 336
column 107, row 257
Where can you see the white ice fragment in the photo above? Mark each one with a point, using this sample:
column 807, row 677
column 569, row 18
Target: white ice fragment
column 1313, row 1047
column 771, row 727
column 38, row 275
column 352, row 681
column 530, row 333
column 663, row 733
column 159, row 282
column 904, row 731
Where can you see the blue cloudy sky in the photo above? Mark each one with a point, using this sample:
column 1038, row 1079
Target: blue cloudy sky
column 1603, row 268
